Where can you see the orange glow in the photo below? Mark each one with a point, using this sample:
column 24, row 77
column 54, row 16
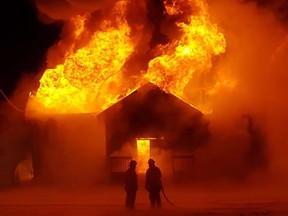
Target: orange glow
column 91, row 75
column 87, row 81
column 191, row 54
column 143, row 154
column 222, row 83
column 173, row 8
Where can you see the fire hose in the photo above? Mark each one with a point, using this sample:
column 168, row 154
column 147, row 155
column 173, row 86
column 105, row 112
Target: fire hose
column 165, row 196
column 167, row 199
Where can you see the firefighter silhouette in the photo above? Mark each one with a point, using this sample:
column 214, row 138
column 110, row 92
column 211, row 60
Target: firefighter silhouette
column 131, row 185
column 153, row 183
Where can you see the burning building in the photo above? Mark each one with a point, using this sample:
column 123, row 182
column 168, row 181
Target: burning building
column 90, row 113
column 147, row 123
column 121, row 78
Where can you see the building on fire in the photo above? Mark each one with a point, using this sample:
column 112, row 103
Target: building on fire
column 147, row 123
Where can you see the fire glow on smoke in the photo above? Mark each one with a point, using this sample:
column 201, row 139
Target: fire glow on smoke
column 91, row 76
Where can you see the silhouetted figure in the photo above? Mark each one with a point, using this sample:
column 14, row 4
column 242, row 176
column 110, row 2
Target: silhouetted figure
column 131, row 184
column 153, row 183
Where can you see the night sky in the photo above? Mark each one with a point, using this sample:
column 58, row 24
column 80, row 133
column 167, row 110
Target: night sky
column 24, row 42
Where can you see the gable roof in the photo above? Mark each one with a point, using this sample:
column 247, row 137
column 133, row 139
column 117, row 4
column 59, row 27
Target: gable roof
column 144, row 91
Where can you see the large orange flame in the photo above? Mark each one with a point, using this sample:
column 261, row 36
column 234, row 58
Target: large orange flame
column 90, row 79
column 191, row 54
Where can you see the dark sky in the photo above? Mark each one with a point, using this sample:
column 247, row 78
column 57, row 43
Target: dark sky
column 24, row 42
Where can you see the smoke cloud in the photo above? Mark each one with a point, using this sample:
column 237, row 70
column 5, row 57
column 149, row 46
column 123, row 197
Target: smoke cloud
column 248, row 121
column 16, row 137
column 65, row 9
